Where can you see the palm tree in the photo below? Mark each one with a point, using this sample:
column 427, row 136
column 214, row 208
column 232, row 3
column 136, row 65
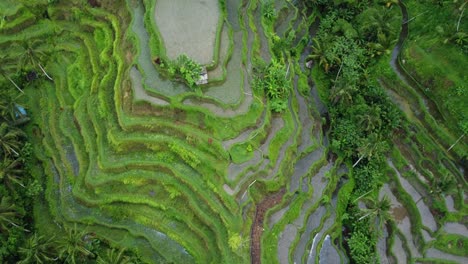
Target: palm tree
column 378, row 211
column 10, row 142
column 10, row 172
column 342, row 93
column 377, row 21
column 268, row 10
column 443, row 184
column 8, row 214
column 370, row 146
column 113, row 256
column 4, row 61
column 38, row 249
column 383, row 45
column 72, row 247
column 459, row 38
column 370, row 120
column 319, row 54
column 9, row 106
column 461, row 9
column 32, row 51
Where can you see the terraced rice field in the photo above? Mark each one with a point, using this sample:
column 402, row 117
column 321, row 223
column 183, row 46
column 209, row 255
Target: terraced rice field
column 211, row 175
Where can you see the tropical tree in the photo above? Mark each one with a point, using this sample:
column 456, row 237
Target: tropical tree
column 443, row 184
column 371, row 146
column 268, row 9
column 370, row 120
column 72, row 247
column 462, row 10
column 319, row 54
column 3, row 72
column 361, row 249
column 384, row 45
column 10, row 172
column 113, row 256
column 378, row 211
column 342, row 93
column 9, row 106
column 32, row 52
column 38, row 249
column 10, row 142
column 8, row 214
column 374, row 21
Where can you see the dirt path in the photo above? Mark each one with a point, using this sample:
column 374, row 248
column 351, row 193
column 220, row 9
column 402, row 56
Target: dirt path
column 257, row 227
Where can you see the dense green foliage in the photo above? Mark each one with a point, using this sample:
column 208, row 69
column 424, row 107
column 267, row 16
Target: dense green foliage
column 185, row 68
column 274, row 82
column 350, row 40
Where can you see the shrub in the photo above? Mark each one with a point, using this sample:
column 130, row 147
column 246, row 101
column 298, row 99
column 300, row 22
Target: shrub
column 273, row 80
column 189, row 70
column 361, row 252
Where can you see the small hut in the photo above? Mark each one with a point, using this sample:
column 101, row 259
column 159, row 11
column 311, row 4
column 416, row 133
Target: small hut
column 203, row 77
column 21, row 116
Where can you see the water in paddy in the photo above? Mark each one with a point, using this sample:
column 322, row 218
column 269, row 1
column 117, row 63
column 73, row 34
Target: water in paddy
column 224, row 44
column 326, row 226
column 139, row 91
column 400, row 214
column 382, row 247
column 302, row 167
column 188, row 27
column 152, row 78
column 427, row 217
column 235, row 89
column 398, row 250
column 264, row 50
column 229, row 92
column 72, row 159
column 286, row 15
column 328, row 253
column 437, row 254
column 450, row 203
column 456, row 228
column 312, row 224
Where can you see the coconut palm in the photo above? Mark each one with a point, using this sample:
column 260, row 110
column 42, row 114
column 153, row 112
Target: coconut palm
column 72, row 247
column 378, row 211
column 268, row 10
column 38, row 249
column 10, row 172
column 320, row 55
column 10, row 142
column 342, row 93
column 383, row 45
column 442, row 185
column 370, row 120
column 377, row 21
column 113, row 256
column 32, row 51
column 8, row 214
column 462, row 10
column 5, row 75
column 370, row 146
column 9, row 106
